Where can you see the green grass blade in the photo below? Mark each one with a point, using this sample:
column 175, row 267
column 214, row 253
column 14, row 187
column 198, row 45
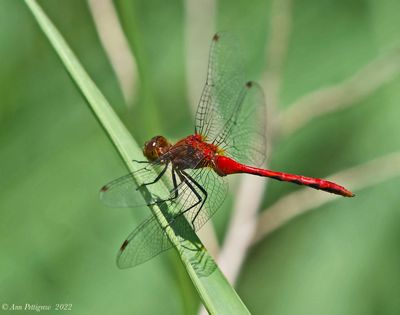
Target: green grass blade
column 214, row 290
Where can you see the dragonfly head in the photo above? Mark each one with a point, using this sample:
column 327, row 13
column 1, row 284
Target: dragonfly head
column 156, row 147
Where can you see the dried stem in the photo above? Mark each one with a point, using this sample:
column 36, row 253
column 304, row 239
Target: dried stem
column 200, row 17
column 305, row 199
column 115, row 45
column 251, row 189
column 348, row 93
column 242, row 226
column 200, row 26
column 280, row 30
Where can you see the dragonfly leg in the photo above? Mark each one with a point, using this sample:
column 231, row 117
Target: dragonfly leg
column 202, row 190
column 156, row 179
column 182, row 175
column 141, row 162
column 175, row 189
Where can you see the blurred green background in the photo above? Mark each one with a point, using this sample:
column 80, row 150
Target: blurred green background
column 58, row 242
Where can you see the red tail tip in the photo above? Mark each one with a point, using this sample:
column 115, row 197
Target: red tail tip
column 348, row 193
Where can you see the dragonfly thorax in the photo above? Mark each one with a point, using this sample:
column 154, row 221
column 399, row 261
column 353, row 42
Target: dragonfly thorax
column 192, row 152
column 156, row 147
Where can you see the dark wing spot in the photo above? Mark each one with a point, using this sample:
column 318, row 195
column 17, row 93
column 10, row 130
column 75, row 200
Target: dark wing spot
column 249, row 84
column 104, row 189
column 215, row 37
column 124, row 244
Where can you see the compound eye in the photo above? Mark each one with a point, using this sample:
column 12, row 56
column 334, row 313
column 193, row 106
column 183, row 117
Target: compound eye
column 149, row 150
column 161, row 141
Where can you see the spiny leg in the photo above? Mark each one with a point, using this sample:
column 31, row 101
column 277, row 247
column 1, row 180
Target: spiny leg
column 175, row 190
column 175, row 184
column 202, row 190
column 141, row 162
column 182, row 175
column 156, row 179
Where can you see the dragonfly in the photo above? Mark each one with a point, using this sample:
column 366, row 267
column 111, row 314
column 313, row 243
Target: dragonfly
column 229, row 138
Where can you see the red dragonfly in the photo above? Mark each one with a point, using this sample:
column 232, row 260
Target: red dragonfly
column 229, row 136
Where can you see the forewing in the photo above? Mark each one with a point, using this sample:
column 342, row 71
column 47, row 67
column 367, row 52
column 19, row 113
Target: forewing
column 125, row 192
column 232, row 112
column 225, row 78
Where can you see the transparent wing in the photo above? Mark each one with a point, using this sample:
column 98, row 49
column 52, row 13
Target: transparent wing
column 216, row 189
column 145, row 242
column 225, row 78
column 198, row 195
column 232, row 112
column 125, row 192
column 191, row 209
column 244, row 135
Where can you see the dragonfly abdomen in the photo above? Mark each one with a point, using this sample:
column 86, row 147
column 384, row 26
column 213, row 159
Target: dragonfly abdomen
column 227, row 166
